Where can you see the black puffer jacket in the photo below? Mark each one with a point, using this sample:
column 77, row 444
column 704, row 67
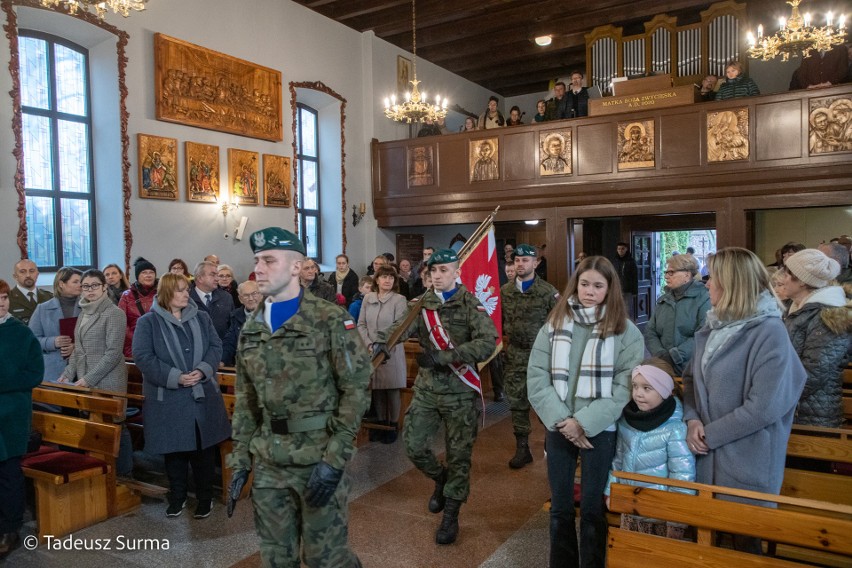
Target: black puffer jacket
column 819, row 331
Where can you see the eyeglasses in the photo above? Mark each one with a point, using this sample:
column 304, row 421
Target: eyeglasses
column 673, row 272
column 87, row 287
column 251, row 295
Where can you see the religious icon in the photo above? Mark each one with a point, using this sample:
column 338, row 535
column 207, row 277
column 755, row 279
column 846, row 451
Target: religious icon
column 202, row 172
column 830, row 125
column 484, row 160
column 555, row 146
column 243, row 176
column 635, row 145
column 157, row 167
column 420, row 166
column 276, row 181
column 403, row 74
column 727, row 135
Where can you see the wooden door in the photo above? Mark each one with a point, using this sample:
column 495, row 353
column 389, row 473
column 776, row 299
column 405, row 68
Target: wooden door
column 643, row 247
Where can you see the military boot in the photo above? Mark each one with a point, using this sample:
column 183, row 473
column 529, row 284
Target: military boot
column 449, row 529
column 522, row 452
column 437, row 500
column 391, row 435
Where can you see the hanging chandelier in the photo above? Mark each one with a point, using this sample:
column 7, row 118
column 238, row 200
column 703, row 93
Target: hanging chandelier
column 100, row 7
column 414, row 106
column 796, row 36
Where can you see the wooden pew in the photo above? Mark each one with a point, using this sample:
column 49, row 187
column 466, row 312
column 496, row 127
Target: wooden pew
column 820, row 528
column 228, row 380
column 847, row 406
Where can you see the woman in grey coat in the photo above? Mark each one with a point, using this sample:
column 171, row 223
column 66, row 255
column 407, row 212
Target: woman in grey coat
column 178, row 350
column 680, row 312
column 743, row 384
column 98, row 357
column 55, row 347
column 380, row 308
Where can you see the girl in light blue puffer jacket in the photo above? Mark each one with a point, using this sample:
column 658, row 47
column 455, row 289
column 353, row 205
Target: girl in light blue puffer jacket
column 652, row 440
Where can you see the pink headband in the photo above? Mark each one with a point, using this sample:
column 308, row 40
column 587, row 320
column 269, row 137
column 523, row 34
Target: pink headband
column 657, row 378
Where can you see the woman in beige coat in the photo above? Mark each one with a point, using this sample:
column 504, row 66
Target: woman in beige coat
column 98, row 358
column 381, row 307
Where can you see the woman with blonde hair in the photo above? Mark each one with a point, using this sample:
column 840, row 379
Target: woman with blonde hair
column 578, row 382
column 743, row 383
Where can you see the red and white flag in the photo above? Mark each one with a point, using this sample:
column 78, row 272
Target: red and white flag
column 480, row 276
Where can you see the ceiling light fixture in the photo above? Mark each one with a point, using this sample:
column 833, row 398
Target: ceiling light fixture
column 415, row 107
column 796, row 36
column 100, row 7
column 544, row 40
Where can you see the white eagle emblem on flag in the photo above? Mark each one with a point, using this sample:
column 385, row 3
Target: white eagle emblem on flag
column 484, row 293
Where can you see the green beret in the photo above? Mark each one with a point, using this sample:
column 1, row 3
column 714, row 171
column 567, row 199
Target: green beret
column 443, row 256
column 275, row 238
column 526, row 250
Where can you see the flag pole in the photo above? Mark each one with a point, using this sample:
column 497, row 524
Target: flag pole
column 414, row 311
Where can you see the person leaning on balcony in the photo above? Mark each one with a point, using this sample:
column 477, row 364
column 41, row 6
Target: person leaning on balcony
column 736, row 85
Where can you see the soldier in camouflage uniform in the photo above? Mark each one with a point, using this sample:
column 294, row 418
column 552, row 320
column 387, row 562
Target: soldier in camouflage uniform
column 527, row 300
column 302, row 388
column 440, row 396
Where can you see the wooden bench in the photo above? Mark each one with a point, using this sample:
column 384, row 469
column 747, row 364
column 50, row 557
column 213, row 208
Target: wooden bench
column 832, row 445
column 228, row 382
column 76, row 490
column 823, row 529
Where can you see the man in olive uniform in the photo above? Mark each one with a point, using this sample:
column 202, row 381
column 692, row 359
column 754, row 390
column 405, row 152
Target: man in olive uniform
column 455, row 333
column 302, row 379
column 527, row 299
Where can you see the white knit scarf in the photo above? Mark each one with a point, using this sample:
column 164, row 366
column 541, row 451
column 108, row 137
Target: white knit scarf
column 597, row 365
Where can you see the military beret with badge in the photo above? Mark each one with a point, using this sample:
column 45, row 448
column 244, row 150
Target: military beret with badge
column 275, row 238
column 526, row 250
column 443, row 256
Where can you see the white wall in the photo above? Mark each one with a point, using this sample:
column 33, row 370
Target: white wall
column 775, row 227
column 279, row 34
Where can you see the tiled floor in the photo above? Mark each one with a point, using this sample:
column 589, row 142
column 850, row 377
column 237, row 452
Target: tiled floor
column 502, row 525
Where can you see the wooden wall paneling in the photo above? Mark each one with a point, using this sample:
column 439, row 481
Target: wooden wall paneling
column 777, row 127
column 519, row 156
column 595, row 149
column 393, row 180
column 452, row 160
column 677, row 150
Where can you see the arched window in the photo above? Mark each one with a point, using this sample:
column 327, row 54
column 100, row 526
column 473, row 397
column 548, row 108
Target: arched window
column 57, row 143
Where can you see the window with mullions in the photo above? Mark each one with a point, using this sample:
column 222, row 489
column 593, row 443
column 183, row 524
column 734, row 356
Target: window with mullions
column 308, row 197
column 57, row 134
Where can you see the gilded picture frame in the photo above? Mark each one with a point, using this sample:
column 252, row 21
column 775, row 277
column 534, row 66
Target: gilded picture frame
column 202, row 172
column 200, row 87
column 636, row 145
column 276, row 181
column 484, row 159
column 157, row 167
column 727, row 135
column 403, row 74
column 243, row 176
column 829, row 124
column 555, row 152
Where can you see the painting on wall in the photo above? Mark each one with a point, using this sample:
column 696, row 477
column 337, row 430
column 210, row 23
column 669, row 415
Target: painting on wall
column 830, row 124
column 727, row 135
column 635, row 145
column 421, row 166
column 276, row 181
column 157, row 167
column 243, row 176
column 555, row 156
column 403, row 74
column 204, row 88
column 202, row 172
column 483, row 156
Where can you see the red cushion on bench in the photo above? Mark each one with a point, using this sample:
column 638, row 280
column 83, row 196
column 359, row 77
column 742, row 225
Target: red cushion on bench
column 63, row 463
column 40, row 452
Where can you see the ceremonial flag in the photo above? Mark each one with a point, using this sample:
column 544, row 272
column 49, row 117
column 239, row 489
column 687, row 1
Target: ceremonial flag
column 479, row 274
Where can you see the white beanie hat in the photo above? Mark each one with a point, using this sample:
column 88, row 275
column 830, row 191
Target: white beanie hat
column 812, row 267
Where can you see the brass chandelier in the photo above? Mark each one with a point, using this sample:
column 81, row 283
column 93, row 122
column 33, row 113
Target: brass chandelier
column 414, row 106
column 100, row 7
column 796, row 36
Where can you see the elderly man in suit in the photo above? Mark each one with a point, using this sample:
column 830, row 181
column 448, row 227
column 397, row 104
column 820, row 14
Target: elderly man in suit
column 207, row 295
column 24, row 297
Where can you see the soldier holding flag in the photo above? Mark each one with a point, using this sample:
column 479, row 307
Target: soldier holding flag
column 455, row 332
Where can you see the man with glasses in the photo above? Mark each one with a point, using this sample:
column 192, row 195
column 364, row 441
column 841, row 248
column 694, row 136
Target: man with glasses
column 250, row 297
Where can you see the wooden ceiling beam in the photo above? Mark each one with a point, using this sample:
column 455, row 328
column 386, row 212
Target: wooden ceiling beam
column 519, row 89
column 522, row 52
column 518, row 72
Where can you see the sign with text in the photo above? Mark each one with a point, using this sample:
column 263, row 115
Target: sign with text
column 676, row 96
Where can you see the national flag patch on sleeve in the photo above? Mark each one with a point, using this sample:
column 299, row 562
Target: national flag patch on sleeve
column 349, row 324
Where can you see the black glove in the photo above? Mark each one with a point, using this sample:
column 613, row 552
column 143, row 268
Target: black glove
column 238, row 481
column 426, row 360
column 321, row 485
column 379, row 348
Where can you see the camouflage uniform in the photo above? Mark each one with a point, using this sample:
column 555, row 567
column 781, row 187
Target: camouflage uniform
column 310, row 379
column 440, row 397
column 523, row 315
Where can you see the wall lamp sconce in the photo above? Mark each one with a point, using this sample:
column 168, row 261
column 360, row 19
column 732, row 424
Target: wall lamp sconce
column 229, row 206
column 358, row 213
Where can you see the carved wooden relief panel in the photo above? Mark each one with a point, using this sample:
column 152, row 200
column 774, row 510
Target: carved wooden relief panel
column 830, row 124
column 635, row 145
column 421, row 166
column 483, row 158
column 243, row 176
column 276, row 181
column 157, row 167
column 555, row 156
column 202, row 172
column 727, row 135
